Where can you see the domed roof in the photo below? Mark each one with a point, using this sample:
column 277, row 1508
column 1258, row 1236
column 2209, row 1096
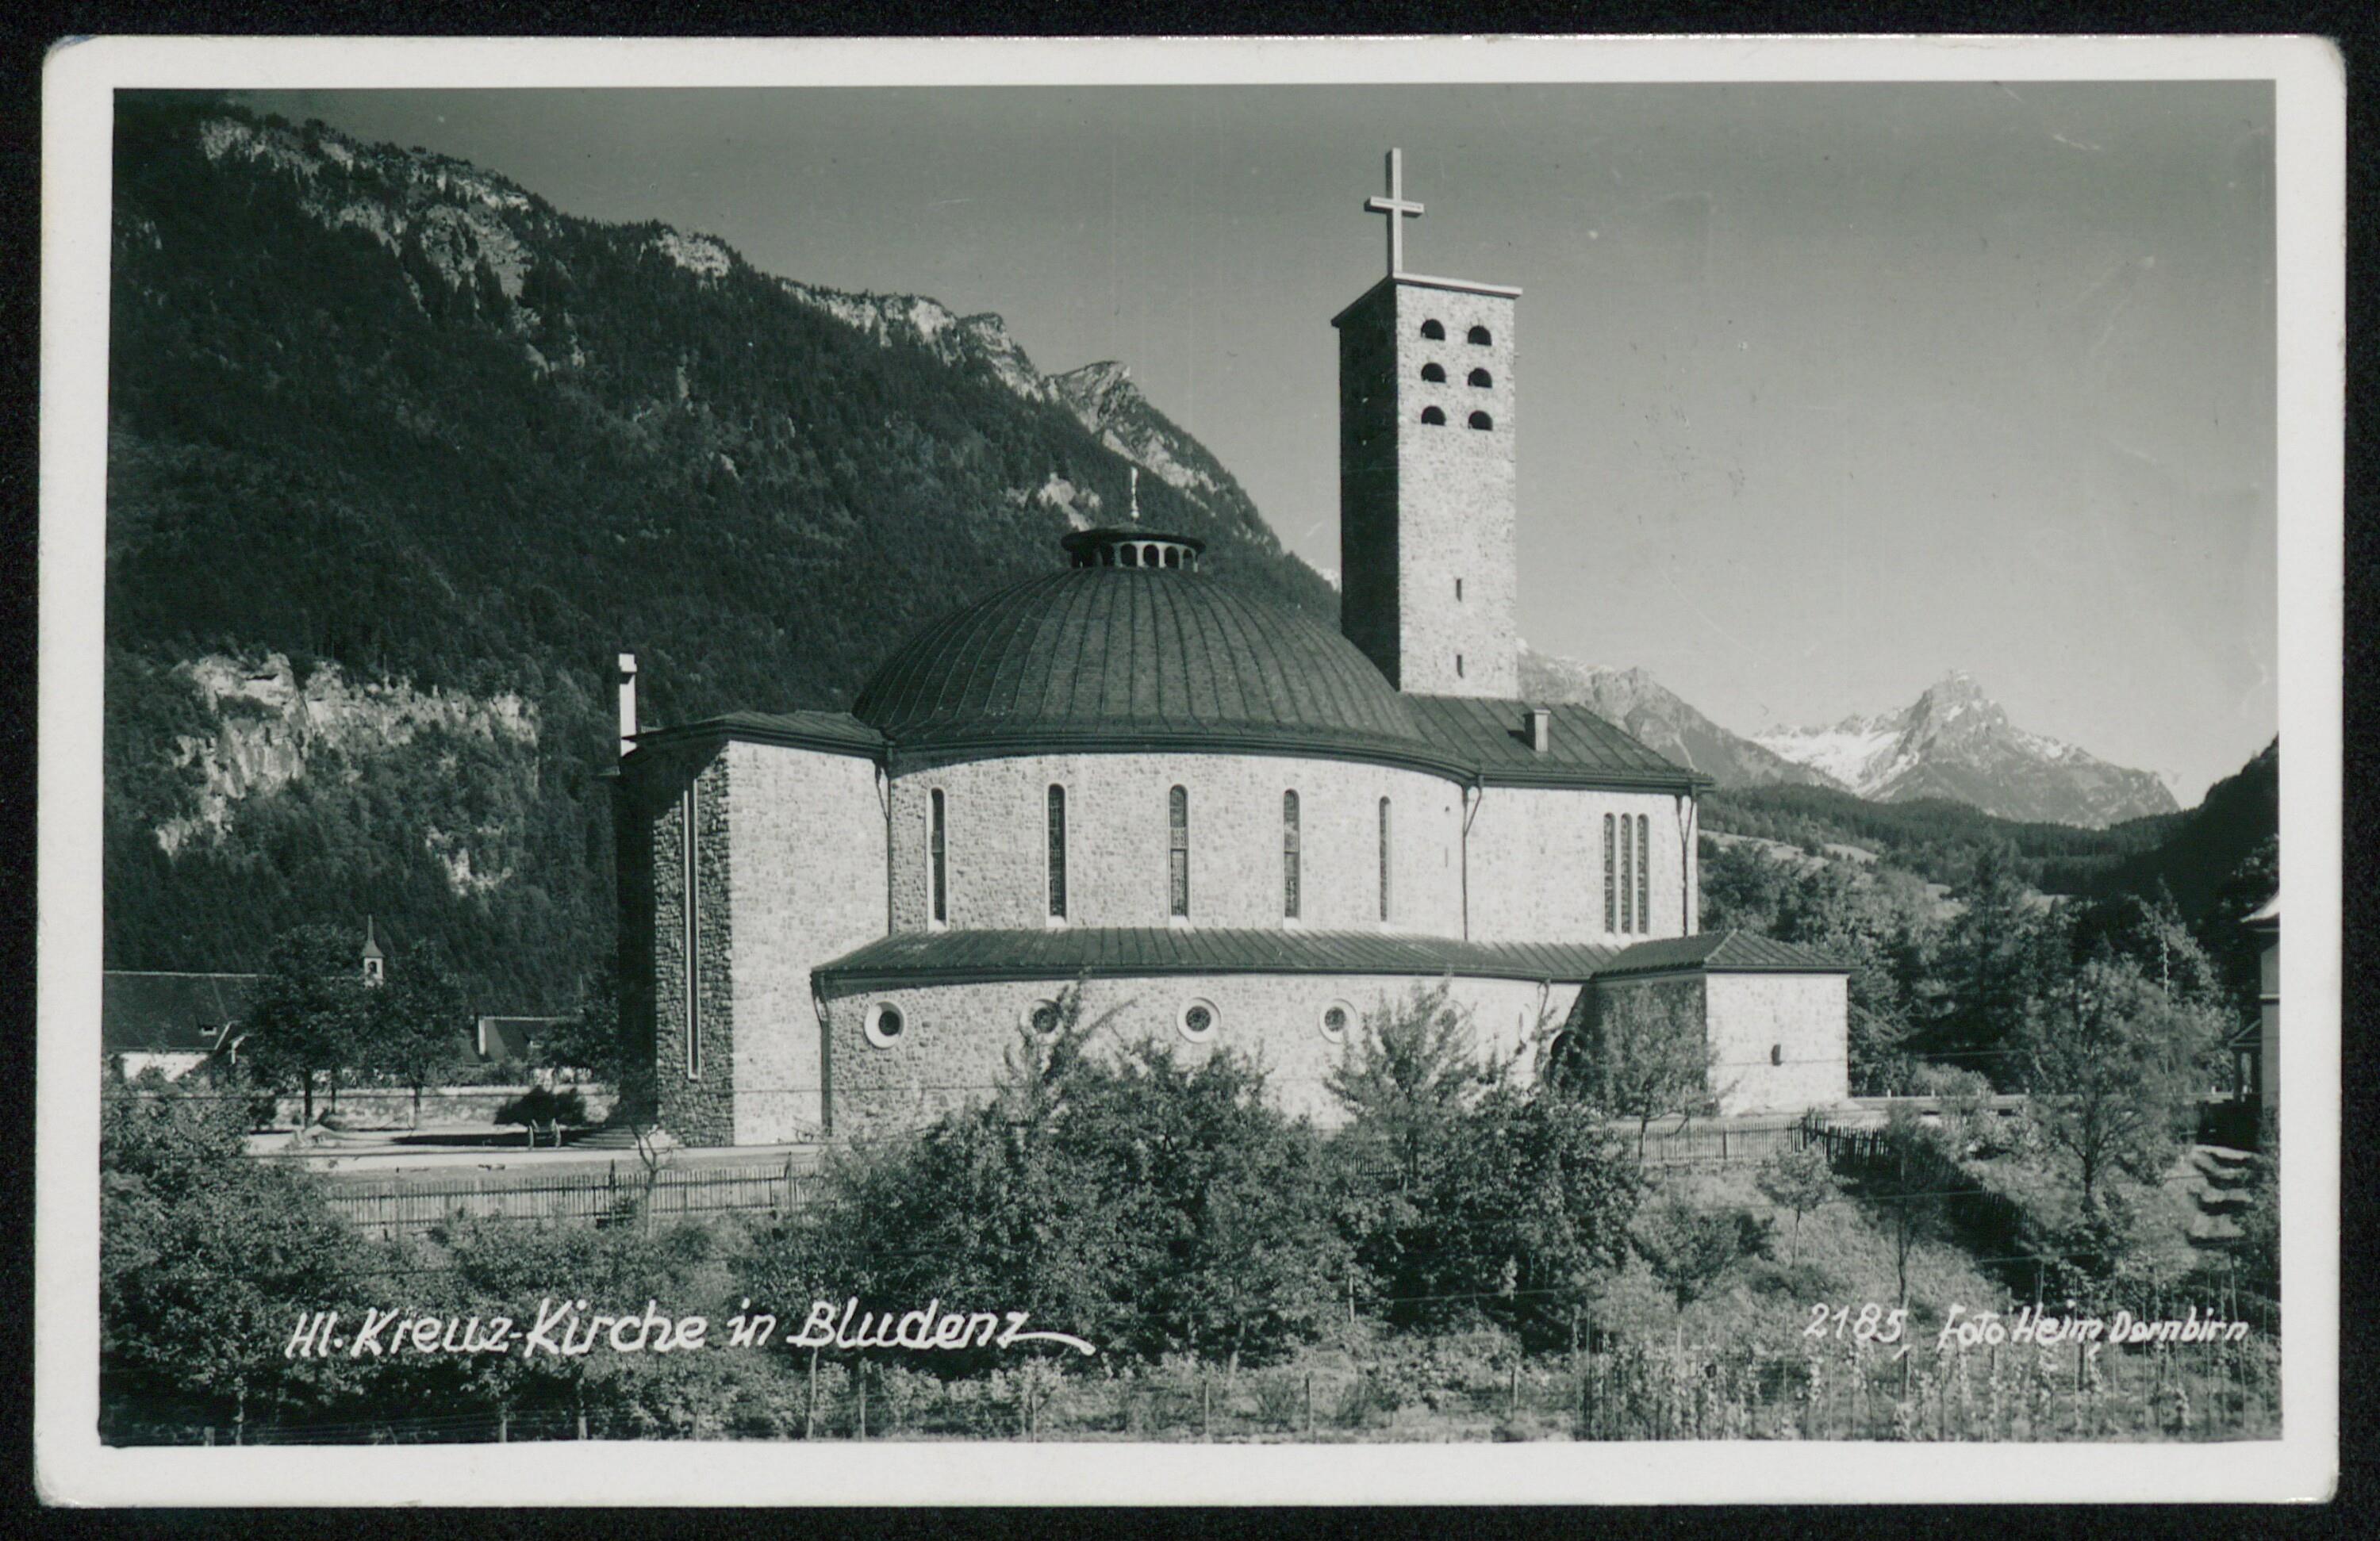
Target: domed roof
column 1126, row 656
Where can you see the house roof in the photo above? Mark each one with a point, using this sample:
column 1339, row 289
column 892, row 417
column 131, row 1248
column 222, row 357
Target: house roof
column 833, row 732
column 948, row 957
column 1720, row 952
column 1491, row 734
column 2267, row 916
column 168, row 1012
column 511, row 1037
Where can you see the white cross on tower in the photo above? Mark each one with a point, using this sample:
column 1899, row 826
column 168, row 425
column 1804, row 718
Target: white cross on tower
column 1397, row 209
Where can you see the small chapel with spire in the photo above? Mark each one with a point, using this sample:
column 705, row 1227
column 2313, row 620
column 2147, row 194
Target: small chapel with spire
column 1228, row 825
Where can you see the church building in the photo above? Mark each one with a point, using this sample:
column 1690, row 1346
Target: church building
column 1236, row 828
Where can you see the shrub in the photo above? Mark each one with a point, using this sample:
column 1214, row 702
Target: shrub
column 544, row 1105
column 1689, row 1247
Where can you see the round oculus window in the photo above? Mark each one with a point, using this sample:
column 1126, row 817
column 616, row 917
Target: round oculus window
column 1044, row 1017
column 1335, row 1018
column 1198, row 1019
column 884, row 1024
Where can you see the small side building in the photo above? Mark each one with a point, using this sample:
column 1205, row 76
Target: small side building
column 1774, row 1016
column 171, row 1022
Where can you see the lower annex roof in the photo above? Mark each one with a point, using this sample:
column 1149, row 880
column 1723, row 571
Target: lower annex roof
column 946, row 957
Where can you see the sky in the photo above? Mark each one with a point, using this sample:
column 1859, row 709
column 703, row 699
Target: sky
column 1824, row 390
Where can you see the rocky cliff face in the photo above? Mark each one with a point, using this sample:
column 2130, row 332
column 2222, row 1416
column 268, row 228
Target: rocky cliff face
column 1955, row 742
column 1100, row 397
column 269, row 730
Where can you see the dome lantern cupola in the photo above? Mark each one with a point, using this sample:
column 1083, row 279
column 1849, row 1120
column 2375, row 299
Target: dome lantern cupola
column 1132, row 548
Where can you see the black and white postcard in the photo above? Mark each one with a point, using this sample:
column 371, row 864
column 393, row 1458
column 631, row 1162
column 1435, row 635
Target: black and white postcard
column 1247, row 771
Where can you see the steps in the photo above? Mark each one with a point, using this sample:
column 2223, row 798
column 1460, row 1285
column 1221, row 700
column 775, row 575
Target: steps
column 2222, row 1191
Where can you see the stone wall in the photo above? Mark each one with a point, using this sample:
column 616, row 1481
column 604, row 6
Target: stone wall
column 696, row 1099
column 1117, row 852
column 1758, row 1019
column 1535, row 864
column 809, row 885
column 955, row 1039
column 1778, row 1040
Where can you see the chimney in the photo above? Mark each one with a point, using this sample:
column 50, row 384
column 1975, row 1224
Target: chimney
column 1541, row 728
column 628, row 682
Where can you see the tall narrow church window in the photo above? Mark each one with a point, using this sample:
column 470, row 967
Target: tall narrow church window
column 1289, row 855
column 1482, row 378
column 1458, row 591
column 1643, row 873
column 1458, row 666
column 941, row 874
column 1384, row 858
column 1434, row 332
column 1481, row 419
column 1178, row 843
column 1478, row 335
column 1611, row 879
column 1058, row 853
column 693, row 935
column 1434, row 373
column 1627, row 876
column 1432, row 414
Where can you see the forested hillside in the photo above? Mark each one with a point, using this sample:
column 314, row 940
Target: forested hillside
column 400, row 458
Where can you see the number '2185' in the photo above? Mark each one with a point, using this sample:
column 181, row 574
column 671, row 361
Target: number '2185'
column 1873, row 1324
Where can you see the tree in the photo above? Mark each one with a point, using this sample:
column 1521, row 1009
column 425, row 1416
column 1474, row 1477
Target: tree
column 310, row 1014
column 1800, row 1180
column 1689, row 1247
column 589, row 1038
column 1405, row 1077
column 207, row 1258
column 2114, row 1067
column 1913, row 1177
column 1646, row 1055
column 1525, row 1215
column 1993, row 963
column 417, row 1023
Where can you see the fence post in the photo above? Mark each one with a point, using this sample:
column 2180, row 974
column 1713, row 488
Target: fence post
column 859, row 1377
column 503, row 1426
column 1205, row 1406
column 1309, row 1404
column 1513, row 1399
column 809, row 1415
column 1722, row 1145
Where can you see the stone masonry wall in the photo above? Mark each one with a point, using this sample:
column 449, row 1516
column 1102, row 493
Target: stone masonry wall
column 809, row 885
column 696, row 1103
column 1802, row 1019
column 1117, row 853
column 1537, row 865
column 955, row 1039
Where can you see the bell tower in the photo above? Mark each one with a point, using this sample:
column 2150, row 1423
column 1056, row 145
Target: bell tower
column 1426, row 474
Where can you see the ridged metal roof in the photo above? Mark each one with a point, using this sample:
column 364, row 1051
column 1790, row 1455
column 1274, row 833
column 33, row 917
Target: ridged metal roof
column 1103, row 652
column 1720, row 953
column 1491, row 734
column 942, row 957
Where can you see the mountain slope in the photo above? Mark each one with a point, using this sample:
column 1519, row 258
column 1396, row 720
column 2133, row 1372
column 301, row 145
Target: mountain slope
column 1634, row 701
column 1954, row 741
column 385, row 418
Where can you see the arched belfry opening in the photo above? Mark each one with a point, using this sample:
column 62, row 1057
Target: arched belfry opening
column 1132, row 548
